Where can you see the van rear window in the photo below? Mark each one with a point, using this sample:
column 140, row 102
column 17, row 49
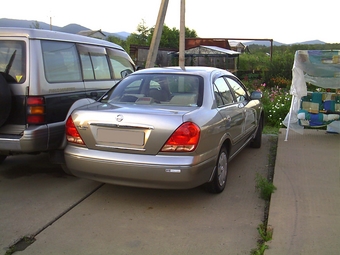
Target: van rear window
column 61, row 61
column 13, row 60
column 121, row 63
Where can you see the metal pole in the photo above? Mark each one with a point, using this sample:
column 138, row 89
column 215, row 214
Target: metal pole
column 289, row 117
column 181, row 59
column 156, row 38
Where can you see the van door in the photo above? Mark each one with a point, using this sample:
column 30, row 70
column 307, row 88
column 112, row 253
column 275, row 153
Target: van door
column 60, row 77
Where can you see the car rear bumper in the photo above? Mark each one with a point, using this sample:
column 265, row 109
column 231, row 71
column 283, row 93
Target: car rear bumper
column 161, row 171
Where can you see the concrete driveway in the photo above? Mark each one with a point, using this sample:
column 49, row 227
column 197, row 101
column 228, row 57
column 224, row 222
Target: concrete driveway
column 67, row 215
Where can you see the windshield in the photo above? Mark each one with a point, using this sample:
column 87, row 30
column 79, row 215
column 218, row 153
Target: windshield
column 167, row 89
column 13, row 60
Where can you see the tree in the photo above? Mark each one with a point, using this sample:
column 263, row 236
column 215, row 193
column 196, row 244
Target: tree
column 118, row 41
column 170, row 37
column 141, row 37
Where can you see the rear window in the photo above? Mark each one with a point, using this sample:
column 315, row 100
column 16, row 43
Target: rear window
column 13, row 60
column 120, row 62
column 165, row 89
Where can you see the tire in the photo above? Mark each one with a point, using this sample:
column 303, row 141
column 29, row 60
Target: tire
column 5, row 100
column 2, row 158
column 219, row 180
column 257, row 141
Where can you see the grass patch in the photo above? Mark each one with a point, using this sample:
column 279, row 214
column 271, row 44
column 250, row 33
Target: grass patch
column 265, row 187
column 269, row 130
column 260, row 249
column 266, row 235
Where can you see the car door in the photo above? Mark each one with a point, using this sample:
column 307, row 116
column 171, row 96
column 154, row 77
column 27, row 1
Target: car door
column 229, row 109
column 243, row 99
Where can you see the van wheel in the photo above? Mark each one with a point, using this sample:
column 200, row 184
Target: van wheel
column 5, row 100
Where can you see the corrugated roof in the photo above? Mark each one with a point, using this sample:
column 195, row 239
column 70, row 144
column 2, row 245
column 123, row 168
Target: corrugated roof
column 212, row 51
column 222, row 50
column 236, row 44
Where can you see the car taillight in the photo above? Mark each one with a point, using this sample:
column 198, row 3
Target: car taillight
column 72, row 134
column 184, row 139
column 36, row 110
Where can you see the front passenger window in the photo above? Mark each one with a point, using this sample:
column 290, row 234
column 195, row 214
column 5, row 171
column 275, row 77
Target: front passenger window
column 222, row 92
column 238, row 90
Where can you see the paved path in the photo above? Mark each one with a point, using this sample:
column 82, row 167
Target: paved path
column 67, row 215
column 305, row 208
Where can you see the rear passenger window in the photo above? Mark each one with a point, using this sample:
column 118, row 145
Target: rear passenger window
column 100, row 67
column 94, row 63
column 61, row 61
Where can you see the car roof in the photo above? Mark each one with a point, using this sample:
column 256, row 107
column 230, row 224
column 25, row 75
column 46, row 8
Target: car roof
column 200, row 70
column 54, row 35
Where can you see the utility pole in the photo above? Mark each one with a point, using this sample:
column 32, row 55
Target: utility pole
column 156, row 38
column 181, row 59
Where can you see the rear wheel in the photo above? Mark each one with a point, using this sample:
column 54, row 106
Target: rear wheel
column 5, row 100
column 219, row 180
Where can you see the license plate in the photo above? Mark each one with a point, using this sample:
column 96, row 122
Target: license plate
column 122, row 137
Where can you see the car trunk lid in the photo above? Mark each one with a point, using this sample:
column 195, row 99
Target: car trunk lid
column 131, row 128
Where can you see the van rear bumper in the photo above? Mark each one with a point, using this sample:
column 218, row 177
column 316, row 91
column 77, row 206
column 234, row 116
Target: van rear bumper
column 33, row 139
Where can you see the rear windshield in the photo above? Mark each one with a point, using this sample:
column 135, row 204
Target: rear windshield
column 165, row 89
column 13, row 60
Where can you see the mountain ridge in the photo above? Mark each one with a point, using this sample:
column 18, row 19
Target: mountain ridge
column 70, row 28
column 76, row 28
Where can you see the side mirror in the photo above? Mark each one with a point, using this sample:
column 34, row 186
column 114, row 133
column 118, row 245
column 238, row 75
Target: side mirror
column 125, row 73
column 256, row 95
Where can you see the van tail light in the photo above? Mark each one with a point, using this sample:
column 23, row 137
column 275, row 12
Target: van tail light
column 36, row 110
column 184, row 139
column 72, row 134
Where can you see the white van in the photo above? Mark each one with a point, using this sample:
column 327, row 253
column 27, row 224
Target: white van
column 42, row 73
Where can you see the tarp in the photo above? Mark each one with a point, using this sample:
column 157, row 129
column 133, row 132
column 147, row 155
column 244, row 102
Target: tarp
column 318, row 67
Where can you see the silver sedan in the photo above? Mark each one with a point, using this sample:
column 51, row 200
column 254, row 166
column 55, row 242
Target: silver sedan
column 165, row 128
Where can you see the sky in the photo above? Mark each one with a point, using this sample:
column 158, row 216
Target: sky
column 285, row 21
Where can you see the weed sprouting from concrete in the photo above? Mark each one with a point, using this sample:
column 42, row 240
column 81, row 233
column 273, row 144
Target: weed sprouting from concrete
column 265, row 187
